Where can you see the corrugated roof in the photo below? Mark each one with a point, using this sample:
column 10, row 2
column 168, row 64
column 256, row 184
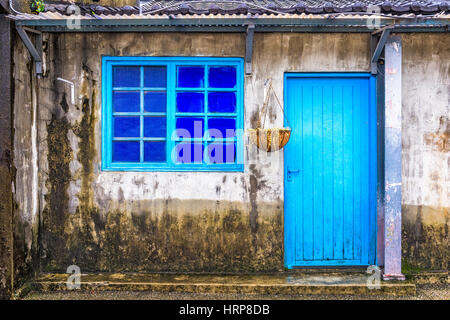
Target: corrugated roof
column 273, row 7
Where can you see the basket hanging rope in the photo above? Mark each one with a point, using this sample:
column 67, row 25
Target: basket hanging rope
column 269, row 139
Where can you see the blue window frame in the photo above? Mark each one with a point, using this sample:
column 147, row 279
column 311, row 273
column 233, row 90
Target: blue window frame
column 172, row 114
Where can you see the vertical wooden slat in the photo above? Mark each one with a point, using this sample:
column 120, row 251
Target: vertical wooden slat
column 348, row 169
column 358, row 104
column 294, row 158
column 328, row 171
column 338, row 171
column 308, row 205
column 298, row 158
column 364, row 123
column 291, row 213
column 318, row 169
column 371, row 93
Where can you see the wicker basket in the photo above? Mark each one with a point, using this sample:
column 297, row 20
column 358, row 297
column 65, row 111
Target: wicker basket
column 269, row 140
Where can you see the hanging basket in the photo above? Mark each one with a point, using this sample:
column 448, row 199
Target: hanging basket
column 269, row 140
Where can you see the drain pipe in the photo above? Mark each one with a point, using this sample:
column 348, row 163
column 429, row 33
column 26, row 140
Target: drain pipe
column 72, row 89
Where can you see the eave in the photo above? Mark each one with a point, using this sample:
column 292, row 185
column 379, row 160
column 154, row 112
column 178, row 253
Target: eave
column 233, row 24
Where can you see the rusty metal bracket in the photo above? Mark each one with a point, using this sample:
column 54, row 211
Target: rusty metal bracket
column 377, row 45
column 249, row 47
column 34, row 49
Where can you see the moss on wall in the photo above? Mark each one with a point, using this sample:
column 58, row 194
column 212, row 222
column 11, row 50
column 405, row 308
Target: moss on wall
column 57, row 198
column 202, row 242
column 425, row 237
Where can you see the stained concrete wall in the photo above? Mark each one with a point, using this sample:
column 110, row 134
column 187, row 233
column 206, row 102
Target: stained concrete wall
column 6, row 156
column 163, row 221
column 25, row 214
column 426, row 150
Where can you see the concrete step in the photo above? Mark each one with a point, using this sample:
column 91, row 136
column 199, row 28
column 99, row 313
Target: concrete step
column 271, row 284
column 431, row 278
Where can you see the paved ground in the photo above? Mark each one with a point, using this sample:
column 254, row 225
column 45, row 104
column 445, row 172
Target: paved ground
column 424, row 292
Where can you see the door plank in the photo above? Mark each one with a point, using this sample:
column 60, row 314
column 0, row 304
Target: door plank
column 308, row 198
column 347, row 114
column 317, row 153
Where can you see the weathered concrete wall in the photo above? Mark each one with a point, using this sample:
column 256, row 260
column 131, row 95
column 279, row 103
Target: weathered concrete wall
column 25, row 189
column 6, row 156
column 113, row 221
column 187, row 221
column 426, row 150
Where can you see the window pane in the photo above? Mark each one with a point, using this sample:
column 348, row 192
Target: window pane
column 154, row 127
column 222, row 77
column 222, row 127
column 126, row 77
column 126, row 101
column 155, row 77
column 189, row 152
column 155, row 101
column 126, row 151
column 190, row 127
column 190, row 102
column 190, row 77
column 222, row 102
column 221, row 153
column 155, row 151
column 126, row 126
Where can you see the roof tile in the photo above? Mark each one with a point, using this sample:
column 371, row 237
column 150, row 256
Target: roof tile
column 214, row 7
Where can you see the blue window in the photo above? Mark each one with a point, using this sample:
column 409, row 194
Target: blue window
column 172, row 114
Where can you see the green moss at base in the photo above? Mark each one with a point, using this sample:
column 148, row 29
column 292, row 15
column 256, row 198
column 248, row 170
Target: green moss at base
column 409, row 269
column 168, row 242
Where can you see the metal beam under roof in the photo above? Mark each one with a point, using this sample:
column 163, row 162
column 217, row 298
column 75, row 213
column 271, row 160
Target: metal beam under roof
column 233, row 24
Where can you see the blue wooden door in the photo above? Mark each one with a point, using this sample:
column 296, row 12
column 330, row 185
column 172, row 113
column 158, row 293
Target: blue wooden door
column 330, row 170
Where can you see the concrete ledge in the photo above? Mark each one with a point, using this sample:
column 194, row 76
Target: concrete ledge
column 431, row 278
column 330, row 284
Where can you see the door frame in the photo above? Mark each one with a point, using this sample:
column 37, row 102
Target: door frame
column 375, row 159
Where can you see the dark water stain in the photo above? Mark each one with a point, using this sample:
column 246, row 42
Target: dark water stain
column 256, row 184
column 295, row 49
column 63, row 103
column 425, row 239
column 255, row 121
column 57, row 199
